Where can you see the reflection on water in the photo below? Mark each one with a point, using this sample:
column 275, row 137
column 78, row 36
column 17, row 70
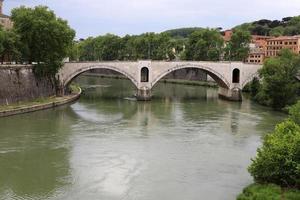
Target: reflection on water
column 185, row 144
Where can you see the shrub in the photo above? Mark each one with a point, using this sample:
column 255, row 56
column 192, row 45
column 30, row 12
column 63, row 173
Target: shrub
column 268, row 192
column 294, row 112
column 278, row 160
column 279, row 86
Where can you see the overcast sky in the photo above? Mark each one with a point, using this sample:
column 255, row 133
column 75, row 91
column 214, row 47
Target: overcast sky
column 97, row 17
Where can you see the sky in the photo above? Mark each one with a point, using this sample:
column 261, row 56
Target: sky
column 121, row 17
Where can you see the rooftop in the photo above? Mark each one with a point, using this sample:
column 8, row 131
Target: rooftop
column 285, row 38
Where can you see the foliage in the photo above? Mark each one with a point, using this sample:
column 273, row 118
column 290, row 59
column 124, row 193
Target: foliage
column 294, row 112
column 279, row 85
column 145, row 46
column 182, row 32
column 204, row 45
column 278, row 160
column 237, row 49
column 9, row 43
column 268, row 192
column 254, row 86
column 45, row 39
column 286, row 26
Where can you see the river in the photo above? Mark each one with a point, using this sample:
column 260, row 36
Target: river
column 186, row 144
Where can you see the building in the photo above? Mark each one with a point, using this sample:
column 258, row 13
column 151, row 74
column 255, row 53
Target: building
column 274, row 45
column 260, row 42
column 227, row 35
column 262, row 47
column 5, row 20
column 256, row 56
column 258, row 47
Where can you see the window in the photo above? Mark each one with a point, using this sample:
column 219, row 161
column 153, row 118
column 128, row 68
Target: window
column 236, row 76
column 144, row 74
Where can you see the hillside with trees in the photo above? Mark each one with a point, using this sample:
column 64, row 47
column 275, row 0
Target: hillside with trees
column 286, row 26
column 182, row 32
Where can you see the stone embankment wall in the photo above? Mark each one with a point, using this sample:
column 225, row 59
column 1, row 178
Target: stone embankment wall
column 18, row 83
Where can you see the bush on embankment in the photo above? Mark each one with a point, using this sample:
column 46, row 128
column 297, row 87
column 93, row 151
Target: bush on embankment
column 278, row 160
column 278, row 87
column 268, row 192
column 276, row 168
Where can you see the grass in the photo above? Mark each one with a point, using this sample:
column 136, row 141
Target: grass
column 268, row 192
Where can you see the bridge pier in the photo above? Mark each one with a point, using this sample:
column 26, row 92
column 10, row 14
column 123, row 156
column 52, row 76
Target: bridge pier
column 234, row 94
column 143, row 94
column 60, row 91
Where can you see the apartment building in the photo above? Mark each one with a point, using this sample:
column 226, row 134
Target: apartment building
column 5, row 20
column 274, row 45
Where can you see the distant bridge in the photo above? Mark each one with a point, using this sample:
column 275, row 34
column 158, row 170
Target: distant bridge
column 230, row 76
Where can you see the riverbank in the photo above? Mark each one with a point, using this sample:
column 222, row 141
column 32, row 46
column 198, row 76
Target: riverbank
column 39, row 104
column 269, row 191
column 171, row 81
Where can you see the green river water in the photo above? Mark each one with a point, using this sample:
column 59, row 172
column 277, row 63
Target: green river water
column 186, row 144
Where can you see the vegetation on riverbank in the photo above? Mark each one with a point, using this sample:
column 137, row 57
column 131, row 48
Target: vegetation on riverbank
column 278, row 87
column 268, row 192
column 277, row 162
column 203, row 44
column 38, row 37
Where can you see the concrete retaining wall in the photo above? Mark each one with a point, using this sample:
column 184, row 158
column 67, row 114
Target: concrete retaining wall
column 43, row 106
column 18, row 83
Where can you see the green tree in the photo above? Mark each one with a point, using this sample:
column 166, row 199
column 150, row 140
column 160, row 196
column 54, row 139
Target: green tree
column 204, row 45
column 279, row 85
column 9, row 44
column 278, row 31
column 293, row 26
column 86, row 50
column 237, row 49
column 45, row 39
column 73, row 52
column 294, row 112
column 278, row 160
column 107, row 47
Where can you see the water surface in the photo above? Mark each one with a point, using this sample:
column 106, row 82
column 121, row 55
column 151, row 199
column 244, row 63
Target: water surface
column 185, row 144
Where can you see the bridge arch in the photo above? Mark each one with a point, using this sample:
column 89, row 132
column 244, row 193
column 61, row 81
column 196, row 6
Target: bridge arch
column 75, row 73
column 219, row 78
column 250, row 78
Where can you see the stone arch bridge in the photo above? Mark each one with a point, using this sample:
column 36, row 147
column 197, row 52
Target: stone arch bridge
column 230, row 76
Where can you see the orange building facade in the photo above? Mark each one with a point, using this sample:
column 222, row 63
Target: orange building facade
column 262, row 47
column 274, row 45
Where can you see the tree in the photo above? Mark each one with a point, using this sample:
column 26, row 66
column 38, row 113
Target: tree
column 278, row 31
column 294, row 112
column 279, row 85
column 86, row 50
column 278, row 160
column 45, row 39
column 204, row 45
column 107, row 47
column 237, row 49
column 9, row 44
